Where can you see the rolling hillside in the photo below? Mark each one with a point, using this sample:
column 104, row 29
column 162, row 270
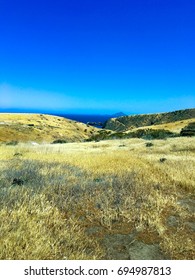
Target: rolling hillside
column 118, row 199
column 175, row 127
column 126, row 123
column 42, row 128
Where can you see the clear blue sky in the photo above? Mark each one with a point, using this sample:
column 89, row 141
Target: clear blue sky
column 97, row 56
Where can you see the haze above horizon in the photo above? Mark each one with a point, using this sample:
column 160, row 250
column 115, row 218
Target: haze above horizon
column 97, row 56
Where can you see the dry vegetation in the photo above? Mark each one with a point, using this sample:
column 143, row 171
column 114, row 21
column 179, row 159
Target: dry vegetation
column 172, row 126
column 41, row 128
column 68, row 199
column 125, row 123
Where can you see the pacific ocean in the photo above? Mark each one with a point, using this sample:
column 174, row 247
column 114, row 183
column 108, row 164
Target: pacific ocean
column 85, row 118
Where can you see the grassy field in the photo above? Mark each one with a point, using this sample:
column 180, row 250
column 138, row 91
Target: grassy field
column 84, row 200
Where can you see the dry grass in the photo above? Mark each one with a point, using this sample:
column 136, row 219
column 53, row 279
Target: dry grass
column 41, row 128
column 172, row 126
column 117, row 185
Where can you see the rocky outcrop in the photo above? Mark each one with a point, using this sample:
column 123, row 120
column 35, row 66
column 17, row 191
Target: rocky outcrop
column 126, row 247
column 128, row 122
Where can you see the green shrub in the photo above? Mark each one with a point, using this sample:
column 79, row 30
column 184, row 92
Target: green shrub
column 150, row 134
column 59, row 141
column 149, row 144
column 117, row 135
column 12, row 143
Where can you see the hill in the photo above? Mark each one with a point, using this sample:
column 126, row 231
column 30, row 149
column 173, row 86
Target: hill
column 122, row 199
column 42, row 128
column 125, row 123
column 119, row 114
column 174, row 127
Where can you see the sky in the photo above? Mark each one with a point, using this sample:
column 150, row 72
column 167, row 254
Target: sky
column 97, row 56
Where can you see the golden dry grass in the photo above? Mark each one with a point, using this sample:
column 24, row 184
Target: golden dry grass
column 41, row 128
column 116, row 185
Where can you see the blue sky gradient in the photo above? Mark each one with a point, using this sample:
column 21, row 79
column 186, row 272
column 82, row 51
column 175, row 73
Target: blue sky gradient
column 84, row 56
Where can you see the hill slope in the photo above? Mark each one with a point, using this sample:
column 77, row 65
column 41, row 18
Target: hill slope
column 42, row 128
column 129, row 122
column 174, row 127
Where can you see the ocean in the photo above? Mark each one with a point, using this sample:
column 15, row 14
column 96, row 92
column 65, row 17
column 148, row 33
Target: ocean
column 97, row 120
column 86, row 118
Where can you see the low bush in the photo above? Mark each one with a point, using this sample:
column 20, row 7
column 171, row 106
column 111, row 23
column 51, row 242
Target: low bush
column 12, row 143
column 151, row 134
column 147, row 134
column 59, row 141
column 149, row 144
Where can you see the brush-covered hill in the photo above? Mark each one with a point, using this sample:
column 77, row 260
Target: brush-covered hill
column 42, row 128
column 174, row 127
column 126, row 123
